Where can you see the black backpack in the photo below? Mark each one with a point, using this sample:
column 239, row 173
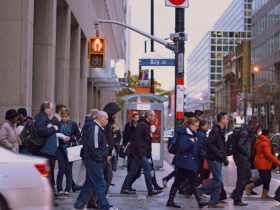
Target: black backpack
column 231, row 143
column 34, row 142
column 172, row 144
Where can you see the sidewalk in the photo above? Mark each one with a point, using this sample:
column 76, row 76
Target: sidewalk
column 141, row 201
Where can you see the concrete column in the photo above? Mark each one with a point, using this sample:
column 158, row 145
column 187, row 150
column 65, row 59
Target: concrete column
column 16, row 54
column 44, row 52
column 75, row 60
column 62, row 70
column 90, row 104
column 83, row 79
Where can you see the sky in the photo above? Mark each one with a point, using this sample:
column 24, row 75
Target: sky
column 199, row 18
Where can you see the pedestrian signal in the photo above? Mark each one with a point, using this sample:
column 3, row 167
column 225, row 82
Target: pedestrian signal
column 96, row 52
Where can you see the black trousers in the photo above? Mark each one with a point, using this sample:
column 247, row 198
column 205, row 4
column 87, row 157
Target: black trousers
column 265, row 178
column 171, row 175
column 183, row 174
column 243, row 176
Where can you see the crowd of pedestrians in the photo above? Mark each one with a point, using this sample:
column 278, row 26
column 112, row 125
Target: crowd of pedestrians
column 198, row 160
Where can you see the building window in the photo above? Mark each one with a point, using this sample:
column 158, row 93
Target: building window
column 213, row 34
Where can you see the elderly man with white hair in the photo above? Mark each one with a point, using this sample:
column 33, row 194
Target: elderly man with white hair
column 94, row 153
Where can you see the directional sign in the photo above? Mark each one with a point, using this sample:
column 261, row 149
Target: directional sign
column 157, row 62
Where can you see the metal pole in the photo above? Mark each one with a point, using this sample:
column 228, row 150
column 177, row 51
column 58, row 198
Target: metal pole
column 152, row 24
column 179, row 42
column 245, row 105
column 156, row 39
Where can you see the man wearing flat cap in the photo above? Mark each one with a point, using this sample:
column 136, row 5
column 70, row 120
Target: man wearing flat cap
column 9, row 137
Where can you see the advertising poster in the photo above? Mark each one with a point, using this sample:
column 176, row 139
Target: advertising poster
column 155, row 127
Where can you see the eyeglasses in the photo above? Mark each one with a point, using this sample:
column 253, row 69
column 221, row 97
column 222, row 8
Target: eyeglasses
column 196, row 125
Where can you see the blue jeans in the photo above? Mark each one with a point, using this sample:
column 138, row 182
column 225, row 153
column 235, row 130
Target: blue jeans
column 214, row 185
column 64, row 167
column 135, row 164
column 95, row 182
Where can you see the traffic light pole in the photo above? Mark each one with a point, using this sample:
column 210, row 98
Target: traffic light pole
column 178, row 47
column 179, row 41
column 168, row 45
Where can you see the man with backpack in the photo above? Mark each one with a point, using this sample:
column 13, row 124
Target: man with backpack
column 242, row 156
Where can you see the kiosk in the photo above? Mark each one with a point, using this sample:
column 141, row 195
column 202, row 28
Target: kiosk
column 141, row 103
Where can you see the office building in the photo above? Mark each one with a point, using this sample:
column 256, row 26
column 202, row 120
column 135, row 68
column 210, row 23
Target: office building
column 265, row 51
column 205, row 64
column 44, row 54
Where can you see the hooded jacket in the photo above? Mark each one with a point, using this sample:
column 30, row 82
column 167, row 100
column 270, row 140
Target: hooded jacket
column 215, row 144
column 246, row 140
column 89, row 121
column 111, row 109
column 264, row 157
column 187, row 151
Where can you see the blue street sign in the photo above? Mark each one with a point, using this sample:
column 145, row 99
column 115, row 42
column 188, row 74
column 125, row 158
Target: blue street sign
column 157, row 62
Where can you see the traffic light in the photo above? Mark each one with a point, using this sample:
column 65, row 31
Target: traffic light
column 96, row 52
column 177, row 3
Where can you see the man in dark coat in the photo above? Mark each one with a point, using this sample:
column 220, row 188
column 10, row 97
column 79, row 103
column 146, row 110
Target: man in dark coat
column 241, row 158
column 111, row 109
column 216, row 155
column 140, row 149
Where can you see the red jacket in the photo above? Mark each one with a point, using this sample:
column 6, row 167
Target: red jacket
column 264, row 157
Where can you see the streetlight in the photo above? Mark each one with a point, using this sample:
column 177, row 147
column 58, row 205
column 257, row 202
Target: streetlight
column 257, row 69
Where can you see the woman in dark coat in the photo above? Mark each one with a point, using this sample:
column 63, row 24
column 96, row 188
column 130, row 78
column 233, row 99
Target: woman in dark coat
column 185, row 161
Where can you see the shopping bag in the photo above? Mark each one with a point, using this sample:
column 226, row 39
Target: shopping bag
column 73, row 153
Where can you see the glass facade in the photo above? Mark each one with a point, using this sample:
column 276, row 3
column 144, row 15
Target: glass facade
column 205, row 64
column 267, row 21
column 266, row 41
column 258, row 4
column 236, row 17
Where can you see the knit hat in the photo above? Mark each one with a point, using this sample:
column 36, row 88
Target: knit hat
column 11, row 113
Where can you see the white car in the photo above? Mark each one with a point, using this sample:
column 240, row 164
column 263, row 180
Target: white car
column 24, row 183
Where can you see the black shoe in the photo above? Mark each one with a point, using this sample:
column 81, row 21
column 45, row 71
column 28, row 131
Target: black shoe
column 128, row 192
column 132, row 189
column 202, row 204
column 93, row 206
column 172, row 204
column 158, row 187
column 154, row 192
column 239, row 203
column 78, row 206
column 112, row 184
column 76, row 188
